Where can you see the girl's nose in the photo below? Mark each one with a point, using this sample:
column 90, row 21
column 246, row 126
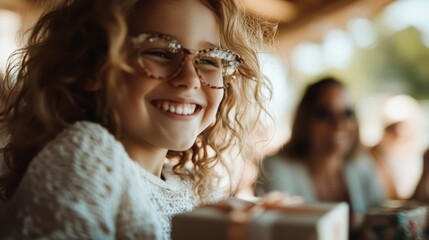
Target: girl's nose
column 188, row 76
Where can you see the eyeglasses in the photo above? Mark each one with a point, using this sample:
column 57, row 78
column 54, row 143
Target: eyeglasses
column 325, row 114
column 162, row 57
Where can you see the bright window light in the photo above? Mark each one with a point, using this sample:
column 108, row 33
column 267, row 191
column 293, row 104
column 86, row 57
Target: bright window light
column 405, row 13
column 337, row 48
column 363, row 32
column 10, row 23
column 307, row 58
column 275, row 68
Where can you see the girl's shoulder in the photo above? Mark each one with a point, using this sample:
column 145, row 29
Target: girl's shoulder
column 85, row 138
column 84, row 145
column 86, row 133
column 83, row 154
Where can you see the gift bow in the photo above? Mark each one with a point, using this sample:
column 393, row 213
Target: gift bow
column 242, row 212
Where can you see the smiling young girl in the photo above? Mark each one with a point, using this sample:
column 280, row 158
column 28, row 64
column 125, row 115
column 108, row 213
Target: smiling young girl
column 119, row 112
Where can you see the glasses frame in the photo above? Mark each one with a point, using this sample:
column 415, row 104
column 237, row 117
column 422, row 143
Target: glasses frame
column 175, row 46
column 346, row 114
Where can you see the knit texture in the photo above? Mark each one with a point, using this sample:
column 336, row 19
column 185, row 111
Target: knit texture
column 83, row 185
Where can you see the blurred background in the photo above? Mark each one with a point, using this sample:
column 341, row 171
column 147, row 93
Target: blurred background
column 379, row 48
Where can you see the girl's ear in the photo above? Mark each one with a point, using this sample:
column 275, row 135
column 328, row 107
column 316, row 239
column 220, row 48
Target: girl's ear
column 92, row 85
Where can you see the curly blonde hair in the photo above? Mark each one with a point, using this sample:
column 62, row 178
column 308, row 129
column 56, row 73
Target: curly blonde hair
column 85, row 40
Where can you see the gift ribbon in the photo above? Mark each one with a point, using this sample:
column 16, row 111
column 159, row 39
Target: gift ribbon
column 239, row 219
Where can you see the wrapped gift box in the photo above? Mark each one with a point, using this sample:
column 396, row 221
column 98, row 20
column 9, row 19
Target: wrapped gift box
column 321, row 221
column 394, row 220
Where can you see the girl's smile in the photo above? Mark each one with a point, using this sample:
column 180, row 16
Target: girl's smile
column 179, row 108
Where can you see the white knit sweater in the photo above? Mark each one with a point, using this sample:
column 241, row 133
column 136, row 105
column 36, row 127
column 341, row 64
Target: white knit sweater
column 83, row 185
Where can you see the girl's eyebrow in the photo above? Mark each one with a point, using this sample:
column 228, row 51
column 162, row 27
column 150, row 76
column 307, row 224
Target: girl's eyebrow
column 210, row 44
column 203, row 45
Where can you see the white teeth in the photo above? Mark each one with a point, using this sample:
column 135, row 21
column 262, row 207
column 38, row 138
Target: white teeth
column 177, row 108
column 165, row 106
column 172, row 109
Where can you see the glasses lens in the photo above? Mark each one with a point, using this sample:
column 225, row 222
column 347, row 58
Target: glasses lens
column 159, row 57
column 325, row 114
column 217, row 67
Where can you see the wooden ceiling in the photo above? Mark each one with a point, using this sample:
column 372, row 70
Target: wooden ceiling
column 295, row 13
column 306, row 10
column 309, row 20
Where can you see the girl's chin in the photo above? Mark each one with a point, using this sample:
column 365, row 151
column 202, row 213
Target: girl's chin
column 181, row 148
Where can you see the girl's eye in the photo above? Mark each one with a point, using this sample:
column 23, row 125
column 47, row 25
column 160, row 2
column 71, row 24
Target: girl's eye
column 213, row 62
column 158, row 53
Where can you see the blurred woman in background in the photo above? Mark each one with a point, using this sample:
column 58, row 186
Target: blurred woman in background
column 321, row 161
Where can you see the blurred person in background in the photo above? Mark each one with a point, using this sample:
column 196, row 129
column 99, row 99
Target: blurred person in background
column 321, row 162
column 397, row 156
column 421, row 193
